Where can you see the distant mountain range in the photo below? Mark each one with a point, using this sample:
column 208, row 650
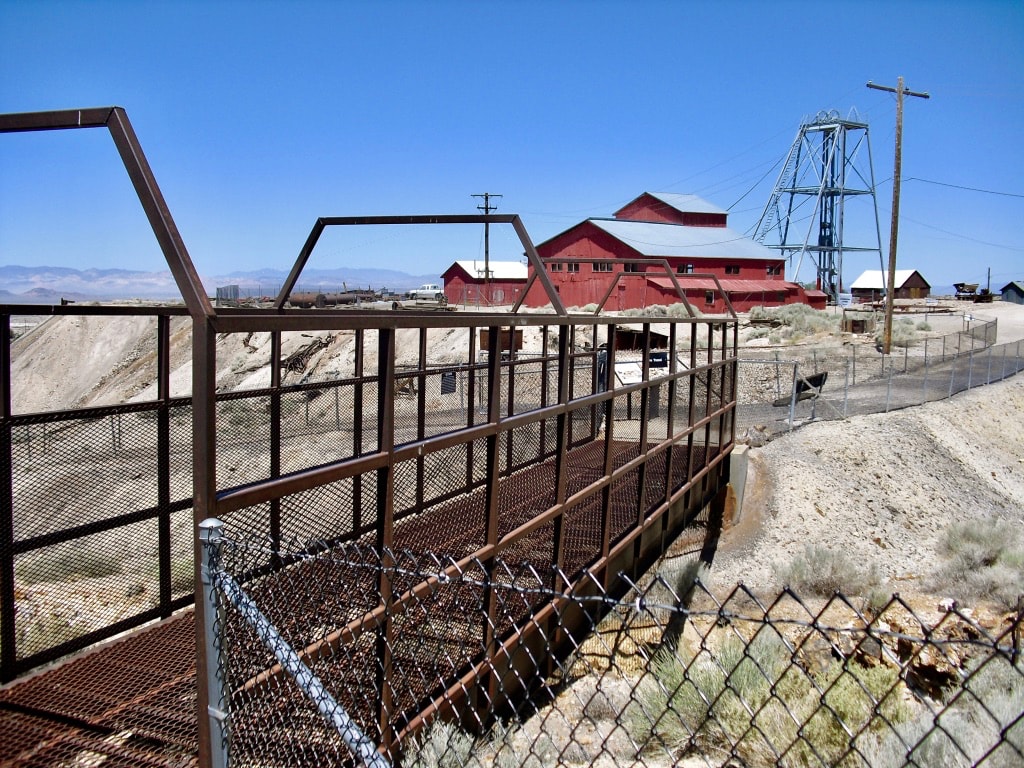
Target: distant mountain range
column 48, row 285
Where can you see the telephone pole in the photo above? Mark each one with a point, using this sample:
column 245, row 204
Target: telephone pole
column 487, row 208
column 890, row 287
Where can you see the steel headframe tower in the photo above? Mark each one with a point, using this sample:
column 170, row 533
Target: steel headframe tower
column 825, row 165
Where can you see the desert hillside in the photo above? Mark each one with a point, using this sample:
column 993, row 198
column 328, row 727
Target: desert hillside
column 882, row 489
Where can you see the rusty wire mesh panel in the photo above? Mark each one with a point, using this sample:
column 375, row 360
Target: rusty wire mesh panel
column 179, row 448
column 316, row 427
column 450, row 472
column 77, row 471
column 182, row 553
column 126, row 710
column 524, row 495
column 328, row 511
column 243, row 440
column 526, row 446
column 243, row 360
column 445, row 400
column 72, row 588
column 456, row 529
column 656, row 477
column 584, row 533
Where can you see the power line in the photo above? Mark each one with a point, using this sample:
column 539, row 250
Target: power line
column 959, row 186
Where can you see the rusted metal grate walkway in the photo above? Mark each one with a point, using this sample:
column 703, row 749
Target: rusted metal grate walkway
column 132, row 702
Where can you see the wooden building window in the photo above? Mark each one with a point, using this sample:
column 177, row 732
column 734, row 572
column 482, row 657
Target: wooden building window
column 684, row 269
column 631, row 268
column 572, row 266
column 555, row 267
column 709, row 297
column 732, row 269
column 602, row 266
column 774, row 269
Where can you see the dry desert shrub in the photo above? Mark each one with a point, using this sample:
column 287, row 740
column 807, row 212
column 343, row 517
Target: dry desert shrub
column 822, row 571
column 753, row 700
column 982, row 559
column 795, row 321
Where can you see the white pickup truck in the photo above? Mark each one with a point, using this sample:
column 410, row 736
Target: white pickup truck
column 427, row 292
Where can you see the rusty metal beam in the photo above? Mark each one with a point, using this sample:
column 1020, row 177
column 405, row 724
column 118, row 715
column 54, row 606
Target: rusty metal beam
column 115, row 119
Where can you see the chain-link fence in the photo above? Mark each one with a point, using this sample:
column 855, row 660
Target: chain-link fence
column 420, row 661
column 781, row 392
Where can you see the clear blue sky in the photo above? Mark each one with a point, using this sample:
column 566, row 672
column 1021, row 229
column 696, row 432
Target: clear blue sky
column 257, row 117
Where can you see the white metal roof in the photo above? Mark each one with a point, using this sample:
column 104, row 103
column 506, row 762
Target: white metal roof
column 500, row 270
column 686, row 203
column 874, row 279
column 655, row 240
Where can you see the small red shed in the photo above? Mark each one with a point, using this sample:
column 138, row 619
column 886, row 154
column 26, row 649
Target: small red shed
column 470, row 282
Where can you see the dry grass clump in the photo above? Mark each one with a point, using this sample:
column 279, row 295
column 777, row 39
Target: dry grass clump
column 67, row 564
column 822, row 571
column 754, row 701
column 796, row 321
column 983, row 559
column 904, row 332
column 983, row 712
column 660, row 310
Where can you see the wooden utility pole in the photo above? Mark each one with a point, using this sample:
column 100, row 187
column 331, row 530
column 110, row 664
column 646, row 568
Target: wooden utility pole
column 890, row 283
column 487, row 208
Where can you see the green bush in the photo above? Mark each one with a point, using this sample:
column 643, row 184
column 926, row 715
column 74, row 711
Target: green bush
column 823, row 571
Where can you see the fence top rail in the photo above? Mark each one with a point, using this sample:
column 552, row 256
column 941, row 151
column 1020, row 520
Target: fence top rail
column 119, row 310
column 242, row 319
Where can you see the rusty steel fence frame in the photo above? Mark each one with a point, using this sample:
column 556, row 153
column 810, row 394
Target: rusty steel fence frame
column 700, row 407
column 28, row 528
column 657, row 467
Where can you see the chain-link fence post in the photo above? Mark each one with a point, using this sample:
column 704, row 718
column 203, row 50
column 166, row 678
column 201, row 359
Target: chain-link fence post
column 846, row 387
column 792, row 397
column 970, row 366
column 211, row 532
column 888, row 385
column 778, row 379
column 924, row 384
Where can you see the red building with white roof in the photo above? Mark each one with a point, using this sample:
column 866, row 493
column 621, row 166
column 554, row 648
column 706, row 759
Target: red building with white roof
column 612, row 258
column 468, row 282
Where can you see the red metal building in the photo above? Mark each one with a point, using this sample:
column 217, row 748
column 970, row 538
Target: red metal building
column 467, row 282
column 600, row 256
